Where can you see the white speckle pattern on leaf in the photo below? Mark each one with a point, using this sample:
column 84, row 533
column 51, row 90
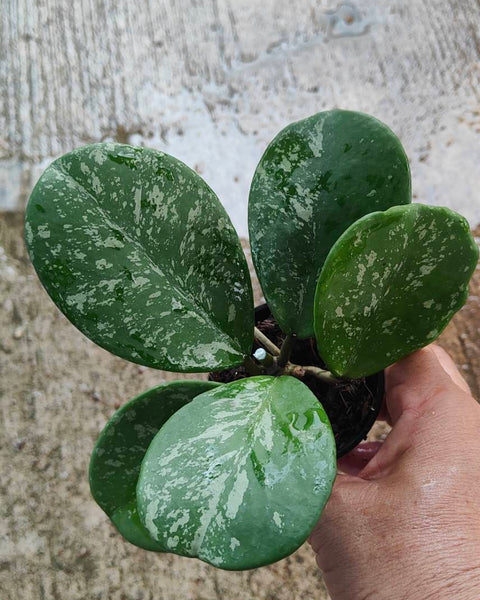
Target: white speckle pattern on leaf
column 116, row 459
column 315, row 179
column 137, row 251
column 395, row 288
column 248, row 452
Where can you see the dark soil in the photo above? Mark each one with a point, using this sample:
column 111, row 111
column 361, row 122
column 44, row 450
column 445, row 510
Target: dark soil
column 351, row 406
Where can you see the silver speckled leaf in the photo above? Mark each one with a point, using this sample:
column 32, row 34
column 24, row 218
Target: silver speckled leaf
column 390, row 285
column 316, row 178
column 239, row 477
column 137, row 251
column 119, row 451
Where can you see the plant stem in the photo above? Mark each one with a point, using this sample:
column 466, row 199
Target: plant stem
column 289, row 368
column 264, row 341
column 264, row 358
column 300, row 372
column 251, row 366
column 286, row 350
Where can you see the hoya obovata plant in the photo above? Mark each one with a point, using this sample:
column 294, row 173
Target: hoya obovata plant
column 137, row 251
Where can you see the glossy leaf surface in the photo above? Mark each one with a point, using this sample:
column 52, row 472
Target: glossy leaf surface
column 239, row 477
column 316, row 178
column 117, row 456
column 390, row 285
column 136, row 250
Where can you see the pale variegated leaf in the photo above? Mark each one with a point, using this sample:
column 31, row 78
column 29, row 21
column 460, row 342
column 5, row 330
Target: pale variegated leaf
column 239, row 477
column 119, row 451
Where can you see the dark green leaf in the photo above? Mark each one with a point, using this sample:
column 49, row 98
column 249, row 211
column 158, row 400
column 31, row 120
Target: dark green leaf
column 390, row 285
column 120, row 449
column 136, row 250
column 316, row 178
column 239, row 477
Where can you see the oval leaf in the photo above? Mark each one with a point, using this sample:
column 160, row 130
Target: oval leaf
column 120, row 449
column 136, row 250
column 316, row 178
column 239, row 477
column 390, row 285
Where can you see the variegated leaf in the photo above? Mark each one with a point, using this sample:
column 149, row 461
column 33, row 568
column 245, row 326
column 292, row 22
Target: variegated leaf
column 390, row 285
column 239, row 477
column 136, row 250
column 316, row 178
column 117, row 456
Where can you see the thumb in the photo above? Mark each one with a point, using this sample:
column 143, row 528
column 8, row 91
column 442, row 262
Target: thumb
column 449, row 366
column 424, row 395
column 414, row 382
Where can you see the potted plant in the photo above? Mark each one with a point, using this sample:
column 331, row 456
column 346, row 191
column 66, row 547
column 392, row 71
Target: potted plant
column 138, row 253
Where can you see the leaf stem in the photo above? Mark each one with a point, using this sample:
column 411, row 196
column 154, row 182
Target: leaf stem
column 264, row 358
column 300, row 371
column 289, row 368
column 286, row 350
column 264, row 341
column 251, row 366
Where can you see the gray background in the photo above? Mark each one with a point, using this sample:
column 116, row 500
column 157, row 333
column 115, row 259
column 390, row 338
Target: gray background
column 212, row 81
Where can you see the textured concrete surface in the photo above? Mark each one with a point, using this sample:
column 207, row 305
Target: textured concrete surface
column 57, row 390
column 212, row 81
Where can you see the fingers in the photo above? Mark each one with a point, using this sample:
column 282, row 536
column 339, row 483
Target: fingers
column 418, row 378
column 450, row 367
column 417, row 385
column 356, row 460
column 424, row 392
column 383, row 414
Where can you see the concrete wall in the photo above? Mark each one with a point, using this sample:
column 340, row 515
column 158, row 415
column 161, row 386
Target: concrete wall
column 212, row 81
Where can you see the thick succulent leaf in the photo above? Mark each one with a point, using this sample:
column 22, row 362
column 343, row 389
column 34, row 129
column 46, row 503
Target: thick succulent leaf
column 390, row 285
column 239, row 477
column 316, row 178
column 136, row 250
column 118, row 454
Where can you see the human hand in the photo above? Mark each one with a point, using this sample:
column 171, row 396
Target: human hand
column 403, row 521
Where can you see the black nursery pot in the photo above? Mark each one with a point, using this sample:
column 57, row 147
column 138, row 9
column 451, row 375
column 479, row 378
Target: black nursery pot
column 352, row 406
